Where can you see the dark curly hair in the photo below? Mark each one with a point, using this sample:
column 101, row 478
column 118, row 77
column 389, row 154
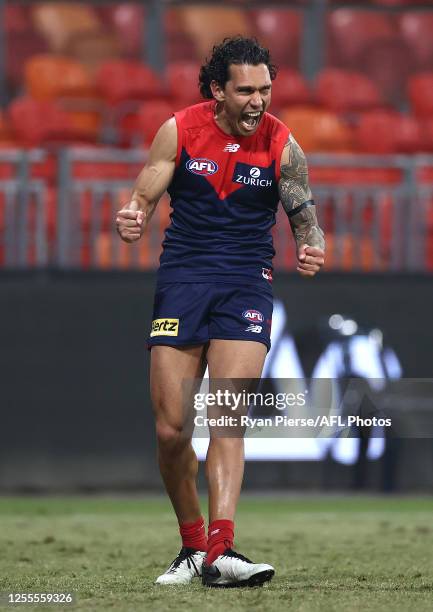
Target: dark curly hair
column 237, row 50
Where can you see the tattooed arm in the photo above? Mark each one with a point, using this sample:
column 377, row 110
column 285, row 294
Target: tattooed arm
column 296, row 198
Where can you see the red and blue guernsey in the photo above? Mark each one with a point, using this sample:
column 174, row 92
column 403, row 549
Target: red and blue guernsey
column 224, row 195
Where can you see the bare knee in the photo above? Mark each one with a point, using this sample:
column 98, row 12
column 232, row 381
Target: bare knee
column 170, row 437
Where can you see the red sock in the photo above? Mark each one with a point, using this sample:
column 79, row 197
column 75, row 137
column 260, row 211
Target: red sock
column 220, row 537
column 194, row 535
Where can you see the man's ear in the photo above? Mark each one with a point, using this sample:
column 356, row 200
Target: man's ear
column 217, row 91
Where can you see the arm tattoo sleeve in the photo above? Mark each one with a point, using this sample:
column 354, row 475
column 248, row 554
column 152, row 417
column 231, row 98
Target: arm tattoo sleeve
column 294, row 191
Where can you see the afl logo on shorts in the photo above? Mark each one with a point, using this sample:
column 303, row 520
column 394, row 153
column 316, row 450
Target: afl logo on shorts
column 202, row 166
column 253, row 315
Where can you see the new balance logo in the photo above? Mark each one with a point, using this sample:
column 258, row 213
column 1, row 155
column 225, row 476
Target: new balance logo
column 232, row 147
column 214, row 532
column 256, row 329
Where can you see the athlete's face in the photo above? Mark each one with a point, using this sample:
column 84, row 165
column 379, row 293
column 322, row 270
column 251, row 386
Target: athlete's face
column 244, row 99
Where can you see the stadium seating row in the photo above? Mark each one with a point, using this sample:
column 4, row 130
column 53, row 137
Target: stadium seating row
column 126, row 101
column 51, row 76
column 43, row 123
column 387, row 47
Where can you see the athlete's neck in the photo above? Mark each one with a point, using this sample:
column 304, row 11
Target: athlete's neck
column 222, row 121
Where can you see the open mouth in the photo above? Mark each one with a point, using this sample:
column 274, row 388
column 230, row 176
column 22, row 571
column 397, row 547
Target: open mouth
column 250, row 121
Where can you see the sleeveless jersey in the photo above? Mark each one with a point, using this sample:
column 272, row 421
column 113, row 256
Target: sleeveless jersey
column 224, row 196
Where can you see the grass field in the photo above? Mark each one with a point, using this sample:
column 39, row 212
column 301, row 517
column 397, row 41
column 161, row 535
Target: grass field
column 330, row 553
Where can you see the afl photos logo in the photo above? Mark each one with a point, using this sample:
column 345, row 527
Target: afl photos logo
column 202, row 166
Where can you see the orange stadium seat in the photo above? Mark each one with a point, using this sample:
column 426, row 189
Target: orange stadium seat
column 121, row 80
column 182, row 81
column 279, row 30
column 38, row 122
column 75, row 29
column 351, row 32
column 344, row 90
column 417, row 30
column 207, row 25
column 317, row 129
column 420, row 90
column 93, row 49
column 49, row 76
column 289, row 88
column 58, row 22
column 85, row 122
column 388, row 132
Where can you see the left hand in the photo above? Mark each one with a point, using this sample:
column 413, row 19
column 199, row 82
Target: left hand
column 310, row 260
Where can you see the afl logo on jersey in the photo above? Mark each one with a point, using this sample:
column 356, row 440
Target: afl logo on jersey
column 202, row 166
column 253, row 315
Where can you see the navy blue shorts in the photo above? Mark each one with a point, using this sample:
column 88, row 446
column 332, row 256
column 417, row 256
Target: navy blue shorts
column 194, row 313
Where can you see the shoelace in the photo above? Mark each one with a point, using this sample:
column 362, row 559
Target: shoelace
column 185, row 554
column 236, row 555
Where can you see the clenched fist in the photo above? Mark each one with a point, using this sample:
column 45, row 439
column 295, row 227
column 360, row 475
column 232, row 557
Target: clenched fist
column 310, row 260
column 129, row 222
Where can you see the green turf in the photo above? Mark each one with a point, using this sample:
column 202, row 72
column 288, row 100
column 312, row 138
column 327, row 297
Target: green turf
column 330, row 553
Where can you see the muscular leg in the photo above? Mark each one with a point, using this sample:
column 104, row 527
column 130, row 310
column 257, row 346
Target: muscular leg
column 177, row 459
column 225, row 457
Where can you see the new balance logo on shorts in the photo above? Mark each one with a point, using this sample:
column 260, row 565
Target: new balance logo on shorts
column 257, row 329
column 165, row 327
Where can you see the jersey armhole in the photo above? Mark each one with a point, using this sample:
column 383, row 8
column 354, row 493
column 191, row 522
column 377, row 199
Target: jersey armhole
column 179, row 138
column 280, row 154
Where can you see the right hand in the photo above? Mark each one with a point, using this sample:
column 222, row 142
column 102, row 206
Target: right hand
column 129, row 222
